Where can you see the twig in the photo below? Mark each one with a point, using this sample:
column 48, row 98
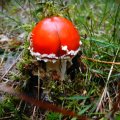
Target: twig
column 11, row 66
column 2, row 59
column 105, row 62
column 105, row 89
column 33, row 115
column 40, row 103
column 19, row 106
column 11, row 18
column 6, row 118
column 116, row 104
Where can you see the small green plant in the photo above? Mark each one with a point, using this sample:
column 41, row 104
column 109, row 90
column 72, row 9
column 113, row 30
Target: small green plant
column 8, row 108
column 53, row 116
column 117, row 116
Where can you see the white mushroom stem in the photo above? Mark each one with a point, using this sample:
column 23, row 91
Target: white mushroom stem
column 59, row 66
column 63, row 69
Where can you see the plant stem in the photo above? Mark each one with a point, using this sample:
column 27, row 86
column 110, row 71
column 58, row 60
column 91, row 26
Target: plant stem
column 106, row 85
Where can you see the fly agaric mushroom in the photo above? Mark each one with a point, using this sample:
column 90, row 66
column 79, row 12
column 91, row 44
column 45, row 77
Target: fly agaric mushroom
column 55, row 39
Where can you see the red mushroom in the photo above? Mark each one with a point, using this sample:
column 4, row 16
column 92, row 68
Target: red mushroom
column 54, row 39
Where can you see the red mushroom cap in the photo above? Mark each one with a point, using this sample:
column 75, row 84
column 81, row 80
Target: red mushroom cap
column 54, row 38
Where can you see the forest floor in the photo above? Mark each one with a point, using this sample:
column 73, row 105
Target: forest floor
column 93, row 94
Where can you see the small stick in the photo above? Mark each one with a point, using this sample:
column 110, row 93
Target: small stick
column 105, row 89
column 6, row 118
column 105, row 62
column 33, row 115
column 40, row 103
column 11, row 66
column 1, row 62
column 19, row 106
